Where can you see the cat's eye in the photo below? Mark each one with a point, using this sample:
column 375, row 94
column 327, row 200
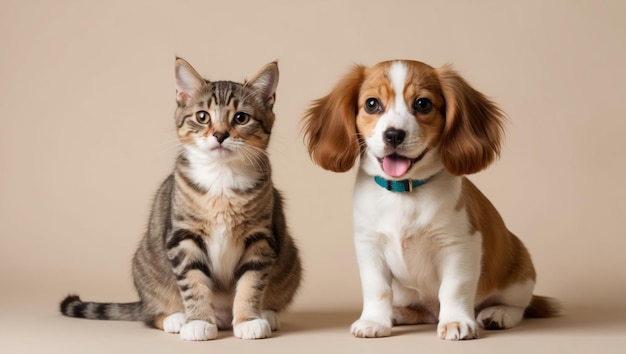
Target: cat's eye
column 241, row 118
column 373, row 106
column 203, row 117
column 422, row 105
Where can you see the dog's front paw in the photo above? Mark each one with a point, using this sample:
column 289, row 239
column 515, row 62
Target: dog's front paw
column 370, row 329
column 457, row 330
column 198, row 330
column 254, row 329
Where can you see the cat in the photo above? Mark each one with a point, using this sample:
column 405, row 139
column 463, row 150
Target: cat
column 217, row 253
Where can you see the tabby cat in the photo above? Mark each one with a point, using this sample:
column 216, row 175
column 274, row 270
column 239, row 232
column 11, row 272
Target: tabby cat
column 217, row 253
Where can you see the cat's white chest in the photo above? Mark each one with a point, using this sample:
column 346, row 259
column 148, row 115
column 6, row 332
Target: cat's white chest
column 218, row 175
column 224, row 255
column 218, row 179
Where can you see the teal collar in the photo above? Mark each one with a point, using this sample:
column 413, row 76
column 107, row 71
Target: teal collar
column 405, row 185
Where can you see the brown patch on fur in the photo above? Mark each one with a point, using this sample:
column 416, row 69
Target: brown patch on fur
column 505, row 260
column 422, row 82
column 412, row 315
column 375, row 84
column 158, row 321
column 330, row 126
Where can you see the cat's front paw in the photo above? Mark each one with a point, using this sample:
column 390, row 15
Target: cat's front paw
column 272, row 318
column 174, row 322
column 370, row 329
column 198, row 330
column 457, row 330
column 254, row 329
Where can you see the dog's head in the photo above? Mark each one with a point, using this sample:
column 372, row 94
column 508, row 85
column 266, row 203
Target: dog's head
column 406, row 120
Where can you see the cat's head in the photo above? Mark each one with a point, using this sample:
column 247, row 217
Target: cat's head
column 225, row 120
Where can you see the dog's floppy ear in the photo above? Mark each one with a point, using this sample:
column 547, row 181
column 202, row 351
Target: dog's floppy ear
column 330, row 124
column 473, row 129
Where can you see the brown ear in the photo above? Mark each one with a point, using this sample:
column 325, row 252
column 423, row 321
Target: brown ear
column 330, row 124
column 473, row 129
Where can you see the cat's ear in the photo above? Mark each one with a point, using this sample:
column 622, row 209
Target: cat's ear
column 265, row 82
column 188, row 81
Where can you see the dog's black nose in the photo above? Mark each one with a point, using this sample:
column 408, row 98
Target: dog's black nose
column 394, row 137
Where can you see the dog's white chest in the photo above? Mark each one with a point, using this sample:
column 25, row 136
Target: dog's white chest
column 410, row 256
column 401, row 228
column 410, row 230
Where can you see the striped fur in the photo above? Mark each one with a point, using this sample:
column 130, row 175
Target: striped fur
column 217, row 248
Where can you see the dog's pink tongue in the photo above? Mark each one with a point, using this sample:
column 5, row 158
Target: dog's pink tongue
column 396, row 166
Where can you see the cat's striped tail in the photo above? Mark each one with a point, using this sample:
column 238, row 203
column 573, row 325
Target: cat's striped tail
column 73, row 306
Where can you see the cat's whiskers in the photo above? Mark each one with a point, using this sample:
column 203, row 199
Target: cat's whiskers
column 256, row 156
column 171, row 144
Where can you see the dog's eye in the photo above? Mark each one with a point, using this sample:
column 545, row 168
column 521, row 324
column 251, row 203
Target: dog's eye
column 422, row 105
column 203, row 117
column 373, row 106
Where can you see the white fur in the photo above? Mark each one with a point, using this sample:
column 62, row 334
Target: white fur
column 219, row 169
column 198, row 330
column 272, row 318
column 254, row 329
column 223, row 255
column 397, row 76
column 174, row 322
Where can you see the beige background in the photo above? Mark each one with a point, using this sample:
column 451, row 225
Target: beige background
column 86, row 137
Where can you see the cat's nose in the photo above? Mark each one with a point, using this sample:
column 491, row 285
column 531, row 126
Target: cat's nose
column 221, row 136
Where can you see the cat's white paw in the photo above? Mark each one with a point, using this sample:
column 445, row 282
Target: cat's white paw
column 272, row 318
column 198, row 330
column 254, row 329
column 174, row 322
column 370, row 329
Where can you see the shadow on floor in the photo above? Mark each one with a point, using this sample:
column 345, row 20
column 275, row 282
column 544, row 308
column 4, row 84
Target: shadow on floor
column 573, row 319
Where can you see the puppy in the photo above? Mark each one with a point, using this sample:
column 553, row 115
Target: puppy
column 430, row 247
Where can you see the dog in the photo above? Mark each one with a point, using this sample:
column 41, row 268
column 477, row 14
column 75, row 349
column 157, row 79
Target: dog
column 430, row 246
